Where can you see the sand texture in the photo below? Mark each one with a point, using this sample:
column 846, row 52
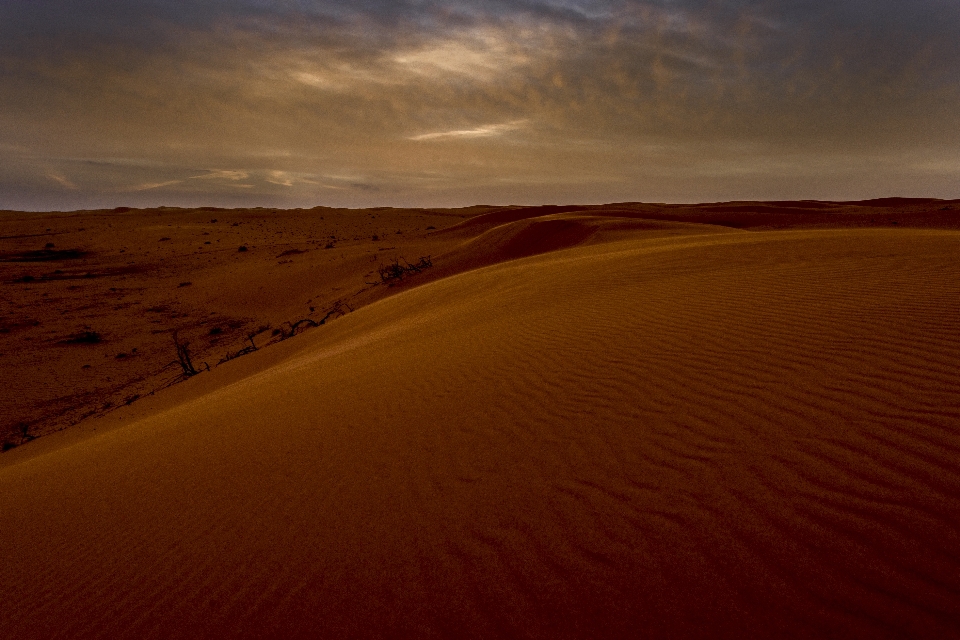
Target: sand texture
column 89, row 300
column 579, row 425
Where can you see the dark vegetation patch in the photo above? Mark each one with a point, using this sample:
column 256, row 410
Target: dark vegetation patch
column 84, row 337
column 394, row 273
column 10, row 327
column 184, row 358
column 43, row 255
column 60, row 274
column 31, row 235
column 253, row 345
column 18, row 435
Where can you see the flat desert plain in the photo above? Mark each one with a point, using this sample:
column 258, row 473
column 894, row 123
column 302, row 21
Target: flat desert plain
column 730, row 420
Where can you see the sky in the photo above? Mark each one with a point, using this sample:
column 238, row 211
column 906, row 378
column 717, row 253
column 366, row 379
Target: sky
column 299, row 103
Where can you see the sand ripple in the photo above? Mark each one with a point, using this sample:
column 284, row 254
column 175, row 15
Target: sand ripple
column 731, row 435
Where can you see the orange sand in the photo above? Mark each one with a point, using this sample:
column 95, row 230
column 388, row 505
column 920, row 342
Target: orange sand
column 667, row 429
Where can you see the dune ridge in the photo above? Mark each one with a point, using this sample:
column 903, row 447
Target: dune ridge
column 92, row 298
column 727, row 435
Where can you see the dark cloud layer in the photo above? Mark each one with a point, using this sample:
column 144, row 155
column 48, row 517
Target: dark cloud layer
column 303, row 102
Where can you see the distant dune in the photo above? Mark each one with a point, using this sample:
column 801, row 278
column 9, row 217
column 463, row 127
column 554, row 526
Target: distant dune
column 629, row 421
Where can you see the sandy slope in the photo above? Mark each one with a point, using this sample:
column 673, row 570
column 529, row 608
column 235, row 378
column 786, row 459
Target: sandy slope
column 732, row 434
column 130, row 278
column 134, row 277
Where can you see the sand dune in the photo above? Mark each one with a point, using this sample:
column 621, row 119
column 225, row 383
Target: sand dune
column 89, row 300
column 134, row 276
column 723, row 434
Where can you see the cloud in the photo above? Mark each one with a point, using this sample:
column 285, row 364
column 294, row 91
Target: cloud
column 141, row 92
column 222, row 175
column 281, row 178
column 484, row 131
column 290, row 179
column 61, row 180
column 150, row 186
column 477, row 53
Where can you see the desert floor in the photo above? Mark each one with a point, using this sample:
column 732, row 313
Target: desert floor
column 728, row 420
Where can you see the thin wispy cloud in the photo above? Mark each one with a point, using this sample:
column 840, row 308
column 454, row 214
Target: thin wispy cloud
column 229, row 176
column 222, row 175
column 484, row 131
column 479, row 53
column 62, row 180
column 150, row 186
column 281, row 178
column 290, row 179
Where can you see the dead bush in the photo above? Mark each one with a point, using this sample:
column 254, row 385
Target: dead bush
column 183, row 356
column 394, row 273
